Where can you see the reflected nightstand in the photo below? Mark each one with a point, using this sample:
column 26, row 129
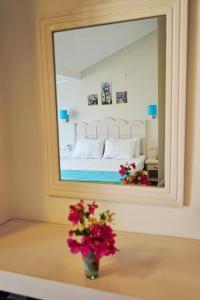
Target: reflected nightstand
column 151, row 166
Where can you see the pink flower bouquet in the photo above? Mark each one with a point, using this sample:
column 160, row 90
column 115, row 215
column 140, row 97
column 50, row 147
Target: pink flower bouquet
column 131, row 176
column 92, row 235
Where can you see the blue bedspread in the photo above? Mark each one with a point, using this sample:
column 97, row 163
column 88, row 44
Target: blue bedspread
column 94, row 176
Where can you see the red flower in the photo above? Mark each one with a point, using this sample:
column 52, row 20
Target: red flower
column 71, row 232
column 92, row 207
column 130, row 177
column 101, row 241
column 133, row 165
column 121, row 173
column 76, row 213
column 124, row 170
column 73, row 245
column 97, row 238
column 144, row 179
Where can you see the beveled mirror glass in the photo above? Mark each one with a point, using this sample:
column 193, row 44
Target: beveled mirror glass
column 111, row 110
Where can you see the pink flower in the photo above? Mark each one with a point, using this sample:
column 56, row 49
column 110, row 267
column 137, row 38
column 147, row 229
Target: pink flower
column 123, row 170
column 144, row 179
column 129, row 177
column 71, row 232
column 97, row 238
column 73, row 245
column 92, row 207
column 103, row 240
column 76, row 213
column 74, row 217
column 86, row 246
column 133, row 165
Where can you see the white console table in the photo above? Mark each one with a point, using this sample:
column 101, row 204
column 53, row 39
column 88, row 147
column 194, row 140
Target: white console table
column 51, row 290
column 34, row 260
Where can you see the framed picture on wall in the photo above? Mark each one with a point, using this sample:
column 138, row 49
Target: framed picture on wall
column 106, row 93
column 93, row 99
column 121, row 97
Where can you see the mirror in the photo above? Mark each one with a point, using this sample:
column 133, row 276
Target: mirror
column 110, row 102
column 91, row 100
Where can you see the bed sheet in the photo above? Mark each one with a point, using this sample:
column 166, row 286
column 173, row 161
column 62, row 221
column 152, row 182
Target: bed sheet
column 99, row 164
column 96, row 170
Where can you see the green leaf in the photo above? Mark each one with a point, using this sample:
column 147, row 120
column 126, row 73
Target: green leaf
column 102, row 216
column 78, row 232
column 86, row 231
column 87, row 214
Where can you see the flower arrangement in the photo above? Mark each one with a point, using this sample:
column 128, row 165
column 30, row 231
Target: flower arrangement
column 130, row 176
column 91, row 235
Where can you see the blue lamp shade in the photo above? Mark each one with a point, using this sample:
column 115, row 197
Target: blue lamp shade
column 64, row 115
column 152, row 110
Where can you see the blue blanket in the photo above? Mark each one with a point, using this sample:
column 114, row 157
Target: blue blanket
column 92, row 176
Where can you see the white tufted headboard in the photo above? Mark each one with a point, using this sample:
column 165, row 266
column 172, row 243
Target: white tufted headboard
column 107, row 128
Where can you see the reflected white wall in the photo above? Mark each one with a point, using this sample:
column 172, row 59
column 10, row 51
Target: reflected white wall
column 133, row 69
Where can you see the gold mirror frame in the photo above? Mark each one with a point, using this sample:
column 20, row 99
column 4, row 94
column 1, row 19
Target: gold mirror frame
column 175, row 95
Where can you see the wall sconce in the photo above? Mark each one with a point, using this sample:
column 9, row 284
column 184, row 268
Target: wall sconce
column 64, row 115
column 152, row 110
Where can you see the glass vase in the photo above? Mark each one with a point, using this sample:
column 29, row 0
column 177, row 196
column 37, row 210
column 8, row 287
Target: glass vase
column 91, row 266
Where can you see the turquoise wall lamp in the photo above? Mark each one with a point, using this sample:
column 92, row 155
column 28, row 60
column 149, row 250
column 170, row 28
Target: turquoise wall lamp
column 152, row 110
column 64, row 115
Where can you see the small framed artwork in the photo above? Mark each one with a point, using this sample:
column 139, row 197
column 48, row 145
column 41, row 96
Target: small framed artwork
column 121, row 97
column 93, row 99
column 106, row 93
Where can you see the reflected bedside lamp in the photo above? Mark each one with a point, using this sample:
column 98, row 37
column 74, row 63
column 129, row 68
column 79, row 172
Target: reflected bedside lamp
column 64, row 115
column 152, row 110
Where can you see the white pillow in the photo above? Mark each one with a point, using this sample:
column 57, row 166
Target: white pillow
column 120, row 148
column 88, row 148
column 137, row 142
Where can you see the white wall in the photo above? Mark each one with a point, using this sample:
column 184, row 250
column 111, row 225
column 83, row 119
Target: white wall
column 133, row 69
column 23, row 100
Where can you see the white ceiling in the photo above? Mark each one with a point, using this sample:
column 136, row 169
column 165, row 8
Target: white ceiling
column 78, row 49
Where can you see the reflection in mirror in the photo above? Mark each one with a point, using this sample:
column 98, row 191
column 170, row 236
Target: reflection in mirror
column 110, row 87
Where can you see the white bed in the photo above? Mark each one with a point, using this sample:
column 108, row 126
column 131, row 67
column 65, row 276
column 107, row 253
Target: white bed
column 104, row 169
column 99, row 164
